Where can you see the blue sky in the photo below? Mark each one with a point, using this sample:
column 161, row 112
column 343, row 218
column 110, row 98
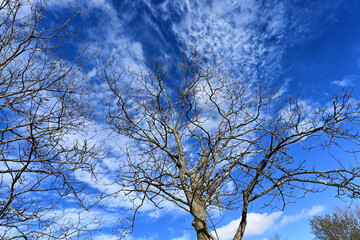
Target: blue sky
column 309, row 48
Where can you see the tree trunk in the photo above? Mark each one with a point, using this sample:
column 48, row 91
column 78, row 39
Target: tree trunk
column 199, row 223
column 241, row 229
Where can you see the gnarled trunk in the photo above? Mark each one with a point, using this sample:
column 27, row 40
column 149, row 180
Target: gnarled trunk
column 199, row 223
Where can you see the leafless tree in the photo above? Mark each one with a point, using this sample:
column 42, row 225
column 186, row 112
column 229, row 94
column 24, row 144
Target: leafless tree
column 343, row 224
column 41, row 112
column 276, row 237
column 204, row 140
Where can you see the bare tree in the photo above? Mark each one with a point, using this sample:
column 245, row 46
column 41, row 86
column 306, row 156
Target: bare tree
column 41, row 111
column 204, row 140
column 276, row 237
column 343, row 224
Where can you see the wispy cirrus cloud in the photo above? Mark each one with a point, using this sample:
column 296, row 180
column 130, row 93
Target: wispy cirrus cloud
column 347, row 81
column 254, row 33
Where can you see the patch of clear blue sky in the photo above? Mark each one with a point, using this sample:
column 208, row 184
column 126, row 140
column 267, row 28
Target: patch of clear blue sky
column 334, row 55
column 316, row 50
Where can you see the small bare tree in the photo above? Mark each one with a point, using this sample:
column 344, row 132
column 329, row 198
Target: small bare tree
column 203, row 140
column 41, row 111
column 343, row 224
column 276, row 237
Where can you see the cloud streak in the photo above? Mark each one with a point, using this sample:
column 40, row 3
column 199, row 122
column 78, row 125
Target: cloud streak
column 254, row 34
column 258, row 223
column 347, row 81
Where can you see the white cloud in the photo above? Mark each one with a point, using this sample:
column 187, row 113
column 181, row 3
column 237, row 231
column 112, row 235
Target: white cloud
column 185, row 236
column 105, row 237
column 130, row 237
column 343, row 83
column 229, row 25
column 234, row 27
column 107, row 37
column 315, row 210
column 91, row 73
column 258, row 224
column 73, row 218
column 303, row 214
column 347, row 81
column 222, row 7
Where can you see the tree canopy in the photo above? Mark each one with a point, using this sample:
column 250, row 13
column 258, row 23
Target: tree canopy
column 342, row 224
column 41, row 111
column 204, row 140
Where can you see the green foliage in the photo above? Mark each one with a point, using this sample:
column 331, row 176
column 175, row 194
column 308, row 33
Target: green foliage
column 343, row 224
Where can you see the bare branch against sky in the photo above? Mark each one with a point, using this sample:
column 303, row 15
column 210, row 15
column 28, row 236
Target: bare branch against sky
column 217, row 119
column 41, row 109
column 204, row 140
